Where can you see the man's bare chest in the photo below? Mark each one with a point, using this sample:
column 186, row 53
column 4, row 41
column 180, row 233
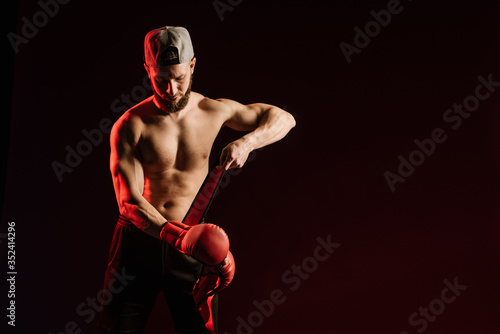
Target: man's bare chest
column 182, row 145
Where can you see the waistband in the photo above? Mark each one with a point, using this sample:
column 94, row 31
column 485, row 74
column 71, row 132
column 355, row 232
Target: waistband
column 125, row 221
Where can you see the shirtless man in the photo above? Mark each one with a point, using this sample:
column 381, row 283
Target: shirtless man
column 159, row 158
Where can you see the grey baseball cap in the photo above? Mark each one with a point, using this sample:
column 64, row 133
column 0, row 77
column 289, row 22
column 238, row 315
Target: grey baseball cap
column 167, row 46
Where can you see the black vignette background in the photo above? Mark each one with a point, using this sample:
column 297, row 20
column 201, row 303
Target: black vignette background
column 418, row 256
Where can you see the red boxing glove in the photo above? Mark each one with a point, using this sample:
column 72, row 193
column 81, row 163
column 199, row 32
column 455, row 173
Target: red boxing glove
column 207, row 243
column 213, row 279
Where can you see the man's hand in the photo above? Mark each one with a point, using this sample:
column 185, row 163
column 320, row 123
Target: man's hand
column 207, row 243
column 234, row 155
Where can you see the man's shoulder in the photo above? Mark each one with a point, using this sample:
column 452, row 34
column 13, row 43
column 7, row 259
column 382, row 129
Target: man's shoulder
column 133, row 118
column 138, row 112
column 215, row 105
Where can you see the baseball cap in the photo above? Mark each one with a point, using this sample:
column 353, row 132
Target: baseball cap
column 167, row 46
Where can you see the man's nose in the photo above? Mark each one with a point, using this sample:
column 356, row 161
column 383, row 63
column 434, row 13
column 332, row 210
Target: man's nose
column 171, row 89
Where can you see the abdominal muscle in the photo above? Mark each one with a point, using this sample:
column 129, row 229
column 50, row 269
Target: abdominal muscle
column 172, row 192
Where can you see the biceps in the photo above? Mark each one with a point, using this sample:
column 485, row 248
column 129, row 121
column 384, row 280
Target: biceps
column 128, row 179
column 247, row 118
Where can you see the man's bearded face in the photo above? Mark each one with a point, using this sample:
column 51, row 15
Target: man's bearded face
column 172, row 85
column 176, row 103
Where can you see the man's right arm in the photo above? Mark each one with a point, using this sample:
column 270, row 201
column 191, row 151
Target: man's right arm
column 128, row 177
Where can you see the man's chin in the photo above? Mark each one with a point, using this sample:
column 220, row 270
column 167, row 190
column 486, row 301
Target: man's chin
column 172, row 106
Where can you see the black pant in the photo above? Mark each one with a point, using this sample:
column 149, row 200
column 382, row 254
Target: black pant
column 139, row 267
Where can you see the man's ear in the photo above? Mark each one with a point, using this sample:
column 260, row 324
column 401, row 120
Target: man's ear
column 192, row 64
column 147, row 69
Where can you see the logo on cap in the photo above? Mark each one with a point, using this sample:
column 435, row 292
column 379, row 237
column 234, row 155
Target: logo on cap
column 170, row 56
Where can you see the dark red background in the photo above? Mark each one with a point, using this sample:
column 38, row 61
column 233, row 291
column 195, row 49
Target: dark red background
column 325, row 178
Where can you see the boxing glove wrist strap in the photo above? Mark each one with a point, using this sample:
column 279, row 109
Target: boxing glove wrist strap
column 163, row 225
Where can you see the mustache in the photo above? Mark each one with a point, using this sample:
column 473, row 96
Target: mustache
column 173, row 106
column 169, row 97
column 168, row 104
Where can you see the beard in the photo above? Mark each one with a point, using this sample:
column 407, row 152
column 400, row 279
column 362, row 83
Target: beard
column 174, row 106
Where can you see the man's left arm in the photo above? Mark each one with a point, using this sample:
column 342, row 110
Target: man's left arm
column 267, row 124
